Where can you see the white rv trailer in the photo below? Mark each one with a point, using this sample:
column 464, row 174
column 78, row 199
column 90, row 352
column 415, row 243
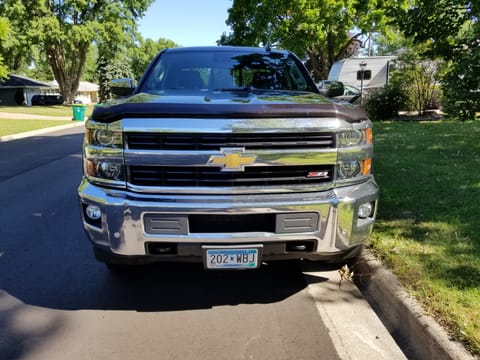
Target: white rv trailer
column 346, row 71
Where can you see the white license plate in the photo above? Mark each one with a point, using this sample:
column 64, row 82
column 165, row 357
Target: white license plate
column 232, row 258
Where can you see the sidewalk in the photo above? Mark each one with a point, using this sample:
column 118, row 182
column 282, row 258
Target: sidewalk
column 7, row 115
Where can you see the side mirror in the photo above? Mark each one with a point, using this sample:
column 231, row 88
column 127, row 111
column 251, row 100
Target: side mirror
column 122, row 87
column 331, row 88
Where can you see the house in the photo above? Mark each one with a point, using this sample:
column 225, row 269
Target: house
column 346, row 71
column 87, row 92
column 18, row 90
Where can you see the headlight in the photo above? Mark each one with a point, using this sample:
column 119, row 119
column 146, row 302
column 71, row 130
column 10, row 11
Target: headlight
column 105, row 138
column 350, row 169
column 109, row 170
column 105, row 170
column 355, row 137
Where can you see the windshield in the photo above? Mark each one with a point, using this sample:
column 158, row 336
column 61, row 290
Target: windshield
column 210, row 70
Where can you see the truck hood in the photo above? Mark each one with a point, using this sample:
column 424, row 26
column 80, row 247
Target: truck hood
column 226, row 104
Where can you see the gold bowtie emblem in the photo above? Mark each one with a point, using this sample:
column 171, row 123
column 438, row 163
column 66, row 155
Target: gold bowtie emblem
column 233, row 159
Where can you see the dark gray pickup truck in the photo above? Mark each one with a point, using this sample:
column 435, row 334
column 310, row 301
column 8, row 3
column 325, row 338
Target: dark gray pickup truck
column 229, row 156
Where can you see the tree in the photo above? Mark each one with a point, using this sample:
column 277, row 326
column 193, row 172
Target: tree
column 325, row 31
column 65, row 29
column 3, row 36
column 109, row 69
column 461, row 85
column 451, row 28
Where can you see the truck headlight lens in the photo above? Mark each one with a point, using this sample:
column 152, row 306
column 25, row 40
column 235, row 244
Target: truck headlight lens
column 350, row 138
column 109, row 170
column 349, row 169
column 355, row 137
column 104, row 137
column 104, row 170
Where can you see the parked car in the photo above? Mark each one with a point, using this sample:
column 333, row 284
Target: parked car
column 47, row 100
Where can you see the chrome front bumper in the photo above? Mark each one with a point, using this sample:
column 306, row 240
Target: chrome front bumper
column 124, row 227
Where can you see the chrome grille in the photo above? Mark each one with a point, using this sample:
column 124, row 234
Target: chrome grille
column 211, row 141
column 207, row 176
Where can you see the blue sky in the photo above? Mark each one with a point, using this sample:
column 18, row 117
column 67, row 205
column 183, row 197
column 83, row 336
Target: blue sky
column 187, row 22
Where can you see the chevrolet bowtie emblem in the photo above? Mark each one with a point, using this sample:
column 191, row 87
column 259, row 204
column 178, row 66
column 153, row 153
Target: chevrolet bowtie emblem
column 233, row 159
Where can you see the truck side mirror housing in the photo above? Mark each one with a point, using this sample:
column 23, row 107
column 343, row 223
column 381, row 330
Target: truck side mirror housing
column 122, row 87
column 331, row 88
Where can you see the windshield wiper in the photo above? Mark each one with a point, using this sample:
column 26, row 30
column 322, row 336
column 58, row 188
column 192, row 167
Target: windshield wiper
column 235, row 89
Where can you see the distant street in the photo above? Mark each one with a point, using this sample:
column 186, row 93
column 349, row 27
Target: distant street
column 57, row 302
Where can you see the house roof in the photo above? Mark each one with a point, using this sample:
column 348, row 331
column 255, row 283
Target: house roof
column 21, row 81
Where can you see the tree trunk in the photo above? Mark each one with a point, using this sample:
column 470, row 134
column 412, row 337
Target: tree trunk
column 67, row 71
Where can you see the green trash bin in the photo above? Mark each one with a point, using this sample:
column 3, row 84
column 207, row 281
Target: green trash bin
column 79, row 111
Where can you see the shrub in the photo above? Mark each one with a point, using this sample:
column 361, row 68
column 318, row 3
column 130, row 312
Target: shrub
column 386, row 104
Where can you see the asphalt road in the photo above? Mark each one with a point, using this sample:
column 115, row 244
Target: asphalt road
column 57, row 302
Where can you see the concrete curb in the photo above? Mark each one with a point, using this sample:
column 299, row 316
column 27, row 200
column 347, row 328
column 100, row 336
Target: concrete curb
column 40, row 131
column 418, row 334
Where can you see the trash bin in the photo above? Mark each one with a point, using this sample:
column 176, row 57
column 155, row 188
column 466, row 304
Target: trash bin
column 79, row 111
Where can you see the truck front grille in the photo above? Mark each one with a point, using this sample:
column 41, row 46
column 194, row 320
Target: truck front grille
column 206, row 176
column 161, row 141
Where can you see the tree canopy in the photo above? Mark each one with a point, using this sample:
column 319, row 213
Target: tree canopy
column 65, row 29
column 3, row 37
column 325, row 31
column 451, row 29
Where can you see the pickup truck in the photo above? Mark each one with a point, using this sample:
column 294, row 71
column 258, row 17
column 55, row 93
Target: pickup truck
column 228, row 156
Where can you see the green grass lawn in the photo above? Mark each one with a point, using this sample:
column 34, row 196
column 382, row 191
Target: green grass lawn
column 428, row 228
column 15, row 126
column 9, row 126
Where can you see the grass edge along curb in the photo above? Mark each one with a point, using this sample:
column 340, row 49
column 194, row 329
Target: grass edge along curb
column 417, row 334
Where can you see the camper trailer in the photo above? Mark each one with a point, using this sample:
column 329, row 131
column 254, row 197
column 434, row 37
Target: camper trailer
column 379, row 67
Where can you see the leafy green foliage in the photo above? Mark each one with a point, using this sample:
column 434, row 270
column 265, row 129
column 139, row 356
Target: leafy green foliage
column 418, row 78
column 3, row 35
column 451, row 29
column 65, row 30
column 321, row 30
column 462, row 82
column 386, row 103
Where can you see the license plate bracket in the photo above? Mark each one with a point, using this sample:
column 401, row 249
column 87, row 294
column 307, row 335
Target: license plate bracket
column 232, row 257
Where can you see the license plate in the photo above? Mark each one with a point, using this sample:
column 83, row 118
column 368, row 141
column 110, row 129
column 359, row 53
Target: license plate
column 232, row 257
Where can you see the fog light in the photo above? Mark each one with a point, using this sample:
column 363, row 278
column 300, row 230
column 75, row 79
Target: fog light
column 365, row 210
column 93, row 212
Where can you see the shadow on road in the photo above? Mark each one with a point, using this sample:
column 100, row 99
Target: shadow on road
column 71, row 284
